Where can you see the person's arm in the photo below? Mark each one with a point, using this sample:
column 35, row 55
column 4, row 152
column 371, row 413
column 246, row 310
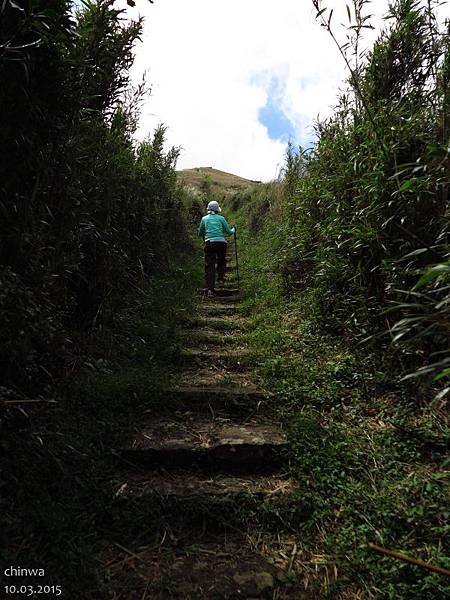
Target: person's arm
column 201, row 229
column 227, row 229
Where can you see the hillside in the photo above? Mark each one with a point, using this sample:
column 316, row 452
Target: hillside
column 219, row 180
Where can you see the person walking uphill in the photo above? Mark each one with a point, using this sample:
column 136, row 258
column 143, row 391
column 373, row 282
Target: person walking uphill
column 213, row 228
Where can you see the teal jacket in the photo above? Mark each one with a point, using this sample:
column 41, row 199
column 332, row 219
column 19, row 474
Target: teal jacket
column 213, row 228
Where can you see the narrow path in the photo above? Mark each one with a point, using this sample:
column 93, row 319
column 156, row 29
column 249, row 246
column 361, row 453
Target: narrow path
column 204, row 469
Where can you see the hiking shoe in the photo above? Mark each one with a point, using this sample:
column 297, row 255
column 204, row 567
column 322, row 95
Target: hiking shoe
column 210, row 294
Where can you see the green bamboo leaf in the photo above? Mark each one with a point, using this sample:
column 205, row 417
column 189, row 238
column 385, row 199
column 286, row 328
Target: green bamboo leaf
column 15, row 5
column 415, row 253
column 442, row 374
column 432, row 274
column 408, row 184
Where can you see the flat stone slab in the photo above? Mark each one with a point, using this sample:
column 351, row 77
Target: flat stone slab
column 223, row 292
column 217, row 445
column 221, row 299
column 216, row 309
column 244, row 565
column 228, row 398
column 217, row 388
column 207, row 335
column 184, row 484
column 218, row 377
column 227, row 290
column 227, row 323
column 234, row 346
column 210, row 355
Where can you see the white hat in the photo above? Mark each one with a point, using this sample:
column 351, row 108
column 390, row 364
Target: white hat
column 214, row 206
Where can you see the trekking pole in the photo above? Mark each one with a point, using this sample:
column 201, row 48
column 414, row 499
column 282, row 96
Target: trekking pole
column 237, row 262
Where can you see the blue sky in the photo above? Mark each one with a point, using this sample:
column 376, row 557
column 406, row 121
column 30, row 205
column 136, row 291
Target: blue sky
column 272, row 115
column 234, row 81
column 233, row 91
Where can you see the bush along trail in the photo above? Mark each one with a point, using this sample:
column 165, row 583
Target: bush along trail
column 369, row 466
column 202, row 483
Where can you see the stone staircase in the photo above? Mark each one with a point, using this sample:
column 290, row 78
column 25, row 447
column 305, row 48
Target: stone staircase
column 214, row 444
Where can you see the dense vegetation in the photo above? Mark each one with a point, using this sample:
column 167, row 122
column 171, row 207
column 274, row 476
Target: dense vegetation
column 92, row 227
column 87, row 215
column 370, row 223
column 346, row 265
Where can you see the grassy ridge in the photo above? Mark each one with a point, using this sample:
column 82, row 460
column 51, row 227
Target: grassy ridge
column 217, row 181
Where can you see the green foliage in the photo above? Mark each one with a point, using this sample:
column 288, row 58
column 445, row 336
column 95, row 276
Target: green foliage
column 368, row 210
column 90, row 291
column 60, row 471
column 345, row 267
column 194, row 205
column 86, row 214
column 370, row 462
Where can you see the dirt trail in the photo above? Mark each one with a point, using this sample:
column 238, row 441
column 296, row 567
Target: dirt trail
column 204, row 472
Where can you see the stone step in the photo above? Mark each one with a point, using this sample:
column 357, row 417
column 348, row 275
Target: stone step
column 222, row 292
column 218, row 389
column 204, row 335
column 232, row 399
column 225, row 323
column 214, row 445
column 237, row 357
column 216, row 309
column 220, row 405
column 235, row 346
column 237, row 564
column 232, row 283
column 223, row 299
column 218, row 377
column 185, row 484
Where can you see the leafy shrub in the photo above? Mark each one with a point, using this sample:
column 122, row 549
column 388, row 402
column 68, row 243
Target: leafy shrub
column 363, row 217
column 87, row 215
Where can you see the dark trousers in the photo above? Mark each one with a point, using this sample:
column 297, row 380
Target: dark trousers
column 215, row 252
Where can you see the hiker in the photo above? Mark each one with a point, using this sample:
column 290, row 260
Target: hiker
column 213, row 228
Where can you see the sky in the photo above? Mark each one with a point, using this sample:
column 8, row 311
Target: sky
column 234, row 81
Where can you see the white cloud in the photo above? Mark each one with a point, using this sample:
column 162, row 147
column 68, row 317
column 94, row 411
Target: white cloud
column 210, row 64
